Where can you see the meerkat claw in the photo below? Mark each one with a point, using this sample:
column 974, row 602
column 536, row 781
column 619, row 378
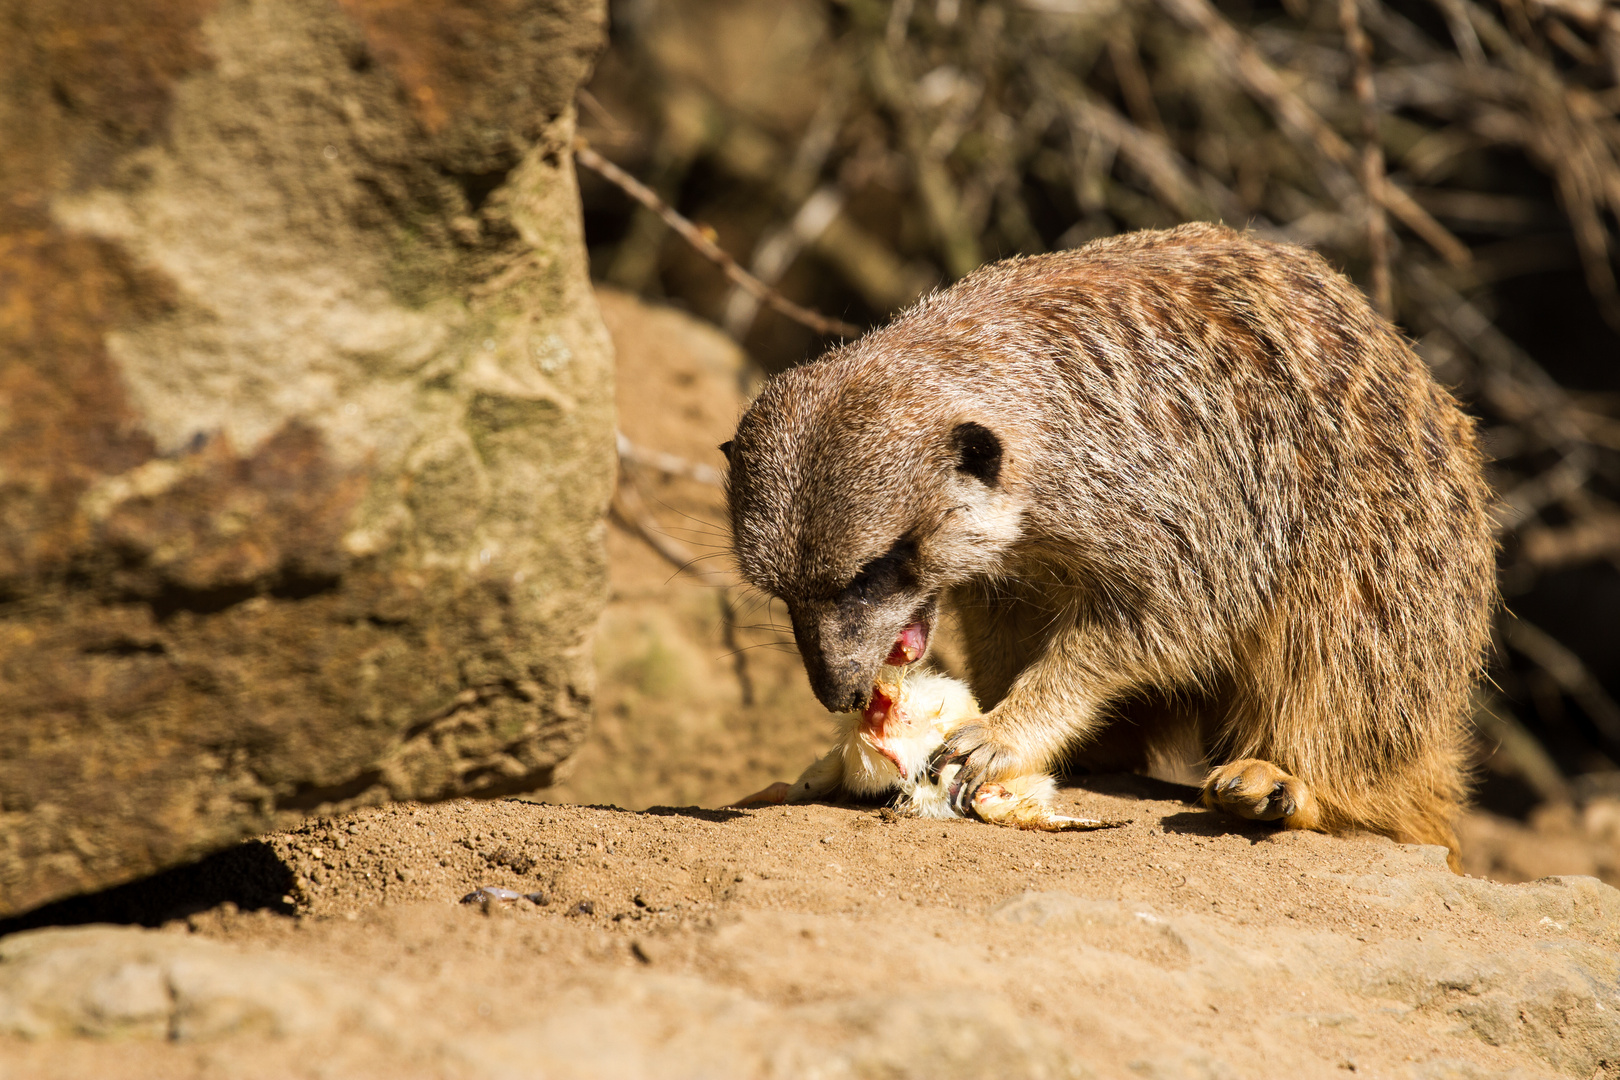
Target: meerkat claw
column 945, row 769
column 1275, row 804
column 965, row 798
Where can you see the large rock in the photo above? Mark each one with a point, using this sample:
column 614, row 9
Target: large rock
column 305, row 417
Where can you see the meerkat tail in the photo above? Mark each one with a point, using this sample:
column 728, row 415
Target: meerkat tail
column 1063, row 823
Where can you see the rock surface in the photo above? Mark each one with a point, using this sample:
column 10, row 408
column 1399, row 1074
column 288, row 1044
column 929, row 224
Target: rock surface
column 835, row 942
column 305, row 418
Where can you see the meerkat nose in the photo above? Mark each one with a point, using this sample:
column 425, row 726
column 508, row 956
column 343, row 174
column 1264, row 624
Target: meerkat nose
column 909, row 646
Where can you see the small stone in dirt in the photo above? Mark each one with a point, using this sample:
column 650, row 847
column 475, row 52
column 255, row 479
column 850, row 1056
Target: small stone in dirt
column 539, row 897
column 584, row 907
column 487, row 893
column 644, row 951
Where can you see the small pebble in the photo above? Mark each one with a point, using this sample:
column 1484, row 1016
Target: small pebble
column 486, row 893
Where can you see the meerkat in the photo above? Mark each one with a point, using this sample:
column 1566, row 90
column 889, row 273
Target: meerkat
column 1176, row 485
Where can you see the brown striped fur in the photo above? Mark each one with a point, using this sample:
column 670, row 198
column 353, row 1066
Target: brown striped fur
column 1229, row 505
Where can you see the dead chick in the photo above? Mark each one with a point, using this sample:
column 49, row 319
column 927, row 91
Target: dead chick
column 891, row 747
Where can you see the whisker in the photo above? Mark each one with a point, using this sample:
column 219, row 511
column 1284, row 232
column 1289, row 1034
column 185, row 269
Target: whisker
column 714, row 528
column 779, row 646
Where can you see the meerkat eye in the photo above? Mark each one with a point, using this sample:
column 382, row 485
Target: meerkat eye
column 978, row 452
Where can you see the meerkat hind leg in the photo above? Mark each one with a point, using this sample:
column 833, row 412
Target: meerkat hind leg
column 1260, row 791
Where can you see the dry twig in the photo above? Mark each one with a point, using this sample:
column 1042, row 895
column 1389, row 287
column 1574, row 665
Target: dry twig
column 705, row 246
column 1304, row 123
column 669, row 464
column 1372, row 157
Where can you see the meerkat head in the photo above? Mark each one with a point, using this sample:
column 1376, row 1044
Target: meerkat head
column 858, row 492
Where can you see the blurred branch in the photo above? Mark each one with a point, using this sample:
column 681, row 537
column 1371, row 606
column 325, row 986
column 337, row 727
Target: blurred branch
column 934, row 185
column 705, row 246
column 1562, row 131
column 1149, row 152
column 669, row 464
column 1567, row 670
column 1591, row 536
column 1494, row 722
column 1372, row 157
column 1303, row 123
column 631, row 511
column 1517, row 385
column 777, row 250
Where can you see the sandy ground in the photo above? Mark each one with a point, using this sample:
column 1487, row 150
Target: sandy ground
column 833, row 941
column 817, row 941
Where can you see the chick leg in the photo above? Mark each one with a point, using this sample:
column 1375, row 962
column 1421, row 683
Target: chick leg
column 1025, row 802
column 822, row 778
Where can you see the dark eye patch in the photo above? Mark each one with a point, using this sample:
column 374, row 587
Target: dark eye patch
column 883, row 576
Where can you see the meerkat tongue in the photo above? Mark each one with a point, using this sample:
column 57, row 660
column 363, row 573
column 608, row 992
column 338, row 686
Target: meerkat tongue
column 910, row 645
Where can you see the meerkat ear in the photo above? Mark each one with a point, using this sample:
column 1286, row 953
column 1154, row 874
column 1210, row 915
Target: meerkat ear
column 725, row 448
column 978, row 452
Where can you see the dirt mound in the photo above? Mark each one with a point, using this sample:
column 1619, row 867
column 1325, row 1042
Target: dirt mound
column 835, row 941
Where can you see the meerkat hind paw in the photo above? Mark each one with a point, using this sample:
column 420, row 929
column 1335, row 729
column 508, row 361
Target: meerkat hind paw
column 1260, row 791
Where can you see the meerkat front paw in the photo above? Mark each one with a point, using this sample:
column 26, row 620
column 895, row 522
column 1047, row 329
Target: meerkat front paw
column 1260, row 791
column 980, row 755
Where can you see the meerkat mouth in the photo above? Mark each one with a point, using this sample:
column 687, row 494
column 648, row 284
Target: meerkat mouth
column 910, row 645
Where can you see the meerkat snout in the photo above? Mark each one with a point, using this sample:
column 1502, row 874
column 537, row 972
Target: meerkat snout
column 884, row 613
